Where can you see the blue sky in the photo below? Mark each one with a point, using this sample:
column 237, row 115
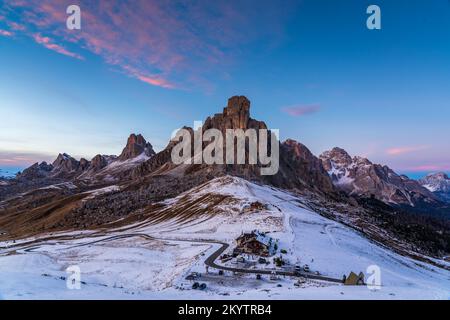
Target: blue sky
column 310, row 68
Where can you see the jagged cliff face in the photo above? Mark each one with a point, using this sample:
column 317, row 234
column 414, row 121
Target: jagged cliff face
column 136, row 145
column 358, row 176
column 236, row 115
column 98, row 162
column 65, row 164
column 36, row 171
column 298, row 163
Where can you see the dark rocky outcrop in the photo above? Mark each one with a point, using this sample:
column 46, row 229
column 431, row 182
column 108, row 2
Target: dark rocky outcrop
column 65, row 164
column 136, row 145
column 302, row 165
column 236, row 115
column 36, row 171
column 98, row 162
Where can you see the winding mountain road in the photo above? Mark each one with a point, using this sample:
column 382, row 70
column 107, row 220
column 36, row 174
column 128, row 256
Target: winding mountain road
column 210, row 261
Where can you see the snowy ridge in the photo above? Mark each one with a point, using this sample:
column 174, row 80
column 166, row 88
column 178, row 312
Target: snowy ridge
column 439, row 184
column 113, row 168
column 360, row 177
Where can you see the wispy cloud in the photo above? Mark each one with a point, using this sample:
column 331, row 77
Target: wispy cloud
column 5, row 33
column 301, row 110
column 16, row 26
column 430, row 168
column 49, row 44
column 154, row 80
column 170, row 44
column 397, row 151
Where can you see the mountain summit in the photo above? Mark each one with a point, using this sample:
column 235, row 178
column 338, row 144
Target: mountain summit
column 439, row 184
column 359, row 176
column 136, row 145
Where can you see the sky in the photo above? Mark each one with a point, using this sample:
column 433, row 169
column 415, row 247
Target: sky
column 310, row 68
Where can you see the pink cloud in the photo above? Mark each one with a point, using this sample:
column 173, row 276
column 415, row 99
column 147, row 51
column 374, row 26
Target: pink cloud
column 156, row 82
column 16, row 26
column 5, row 33
column 430, row 168
column 397, row 151
column 47, row 42
column 301, row 110
column 12, row 158
column 171, row 44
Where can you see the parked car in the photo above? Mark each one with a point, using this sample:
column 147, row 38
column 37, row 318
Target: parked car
column 241, row 259
column 199, row 286
column 299, row 282
column 298, row 268
column 262, row 260
column 306, row 268
column 220, row 272
column 258, row 276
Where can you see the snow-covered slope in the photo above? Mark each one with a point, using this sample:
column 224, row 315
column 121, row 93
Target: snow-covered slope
column 112, row 171
column 150, row 258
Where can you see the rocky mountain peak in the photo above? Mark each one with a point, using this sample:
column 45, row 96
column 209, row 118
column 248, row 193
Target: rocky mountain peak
column 136, row 145
column 359, row 176
column 98, row 162
column 236, row 115
column 438, row 176
column 438, row 183
column 298, row 162
column 361, row 161
column 65, row 163
column 61, row 158
column 84, row 164
column 297, row 149
column 338, row 156
column 238, row 110
column 37, row 170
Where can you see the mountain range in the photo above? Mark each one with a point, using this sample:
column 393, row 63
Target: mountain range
column 368, row 197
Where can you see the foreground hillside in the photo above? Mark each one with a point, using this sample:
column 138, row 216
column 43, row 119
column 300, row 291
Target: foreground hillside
column 151, row 258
